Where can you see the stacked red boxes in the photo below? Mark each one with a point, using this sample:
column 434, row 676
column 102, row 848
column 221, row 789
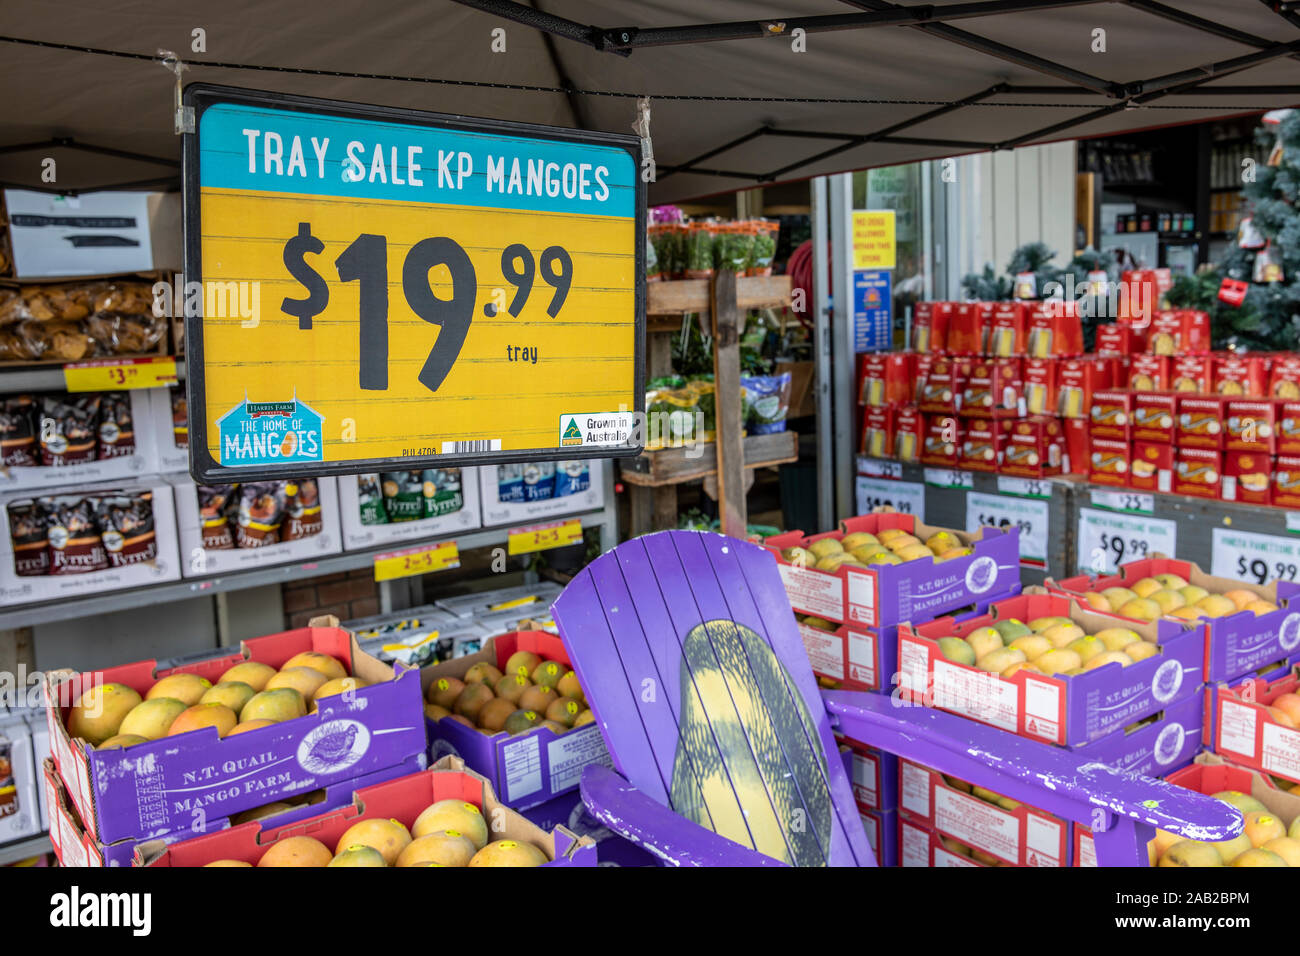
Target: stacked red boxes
column 1149, row 373
column 878, row 431
column 1040, row 385
column 1032, row 447
column 1239, row 375
column 1079, row 378
column 1007, row 336
column 940, row 441
column 888, row 378
column 992, row 389
column 981, row 443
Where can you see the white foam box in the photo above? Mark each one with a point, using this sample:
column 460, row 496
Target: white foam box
column 19, row 589
column 524, row 513
column 358, row 536
column 170, row 457
column 25, row 819
column 203, row 562
column 126, row 468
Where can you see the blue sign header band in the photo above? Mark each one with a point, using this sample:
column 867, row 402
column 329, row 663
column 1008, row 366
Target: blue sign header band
column 279, row 151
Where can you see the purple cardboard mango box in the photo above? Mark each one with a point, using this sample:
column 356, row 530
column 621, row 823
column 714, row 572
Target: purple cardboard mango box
column 568, row 810
column 525, row 769
column 916, row 590
column 873, row 774
column 74, row 847
column 1059, row 709
column 1237, row 644
column 881, row 827
column 1156, row 746
column 165, row 785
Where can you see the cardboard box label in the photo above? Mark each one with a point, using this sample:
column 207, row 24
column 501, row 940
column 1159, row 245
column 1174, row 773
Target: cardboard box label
column 914, row 790
column 915, row 850
column 825, row 651
column 1261, row 558
column 1107, row 539
column 812, row 592
column 866, row 777
column 862, row 597
column 567, row 755
column 862, row 658
column 974, row 694
column 972, row 820
column 1281, row 751
column 1237, row 729
column 522, row 761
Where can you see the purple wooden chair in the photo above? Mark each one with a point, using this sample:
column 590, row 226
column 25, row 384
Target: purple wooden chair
column 695, row 671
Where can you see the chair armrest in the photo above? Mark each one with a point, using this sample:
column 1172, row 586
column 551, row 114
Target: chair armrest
column 640, row 820
column 1051, row 778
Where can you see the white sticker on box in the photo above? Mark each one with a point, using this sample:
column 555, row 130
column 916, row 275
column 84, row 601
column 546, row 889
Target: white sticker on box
column 825, row 651
column 871, row 826
column 862, row 658
column 567, row 755
column 862, row 597
column 977, row 823
column 1043, row 841
column 913, row 660
column 975, row 694
column 1237, row 729
column 916, row 789
column 865, row 770
column 1281, row 751
column 942, row 858
column 915, row 849
column 1042, row 709
column 1261, row 558
column 522, row 760
column 813, row 592
column 1087, row 850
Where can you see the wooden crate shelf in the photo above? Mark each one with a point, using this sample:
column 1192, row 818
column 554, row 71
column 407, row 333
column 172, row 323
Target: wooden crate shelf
column 672, row 466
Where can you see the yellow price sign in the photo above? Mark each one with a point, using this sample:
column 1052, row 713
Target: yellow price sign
column 109, row 375
column 874, row 245
column 403, row 289
column 543, row 537
column 412, row 561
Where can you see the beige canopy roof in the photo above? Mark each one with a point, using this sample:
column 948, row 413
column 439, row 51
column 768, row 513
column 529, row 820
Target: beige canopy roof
column 877, row 83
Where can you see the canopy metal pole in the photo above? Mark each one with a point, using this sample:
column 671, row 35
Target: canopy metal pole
column 842, row 355
column 822, row 356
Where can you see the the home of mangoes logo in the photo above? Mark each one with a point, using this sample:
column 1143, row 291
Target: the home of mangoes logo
column 260, row 433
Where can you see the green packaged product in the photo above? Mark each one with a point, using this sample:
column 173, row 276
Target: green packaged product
column 442, row 492
column 403, row 494
column 370, row 500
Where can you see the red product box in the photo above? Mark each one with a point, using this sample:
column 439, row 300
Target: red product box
column 1114, row 340
column 1179, row 332
column 1076, row 446
column 1288, row 428
column 878, row 431
column 1247, row 730
column 1032, row 447
column 1154, row 416
column 1054, row 329
column 1198, row 472
column 1111, row 415
column 1079, row 378
column 1239, row 375
column 940, row 441
column 1040, row 385
column 1139, row 297
column 1006, row 831
column 992, row 389
column 1200, row 422
column 1148, row 373
column 923, row 364
column 1007, row 332
column 981, row 446
column 1284, row 376
column 1247, row 477
column 887, row 378
column 850, row 657
column 1251, row 426
column 930, row 326
column 968, row 329
column 941, row 394
column 1286, row 481
column 1151, row 466
column 909, row 428
column 1192, row 373
column 1108, row 462
column 873, row 774
column 920, row 846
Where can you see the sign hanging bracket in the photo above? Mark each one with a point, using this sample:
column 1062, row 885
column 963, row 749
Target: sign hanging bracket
column 642, row 129
column 183, row 121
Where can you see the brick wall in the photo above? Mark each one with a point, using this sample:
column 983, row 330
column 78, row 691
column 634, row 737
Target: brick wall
column 346, row 595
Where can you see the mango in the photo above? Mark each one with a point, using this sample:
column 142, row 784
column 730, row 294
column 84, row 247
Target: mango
column 508, row 853
column 1097, row 602
column 522, row 662
column 1062, row 635
column 1171, row 581
column 1117, row 638
column 1033, row 646
column 856, row 539
column 305, row 680
column 824, row 547
column 1216, row 605
column 227, row 863
column 359, row 855
column 151, row 719
column 118, row 741
column 555, row 728
column 1193, row 593
column 1242, row 801
column 492, row 716
column 444, row 691
column 446, row 847
column 586, row 717
column 1191, row 853
column 458, row 815
column 188, row 688
column 1011, row 628
column 218, row 716
column 1039, row 625
column 389, row 837
column 472, row 699
column 1240, row 597
column 537, row 698
column 564, row 710
column 1108, row 657
column 984, row 640
column 483, row 673
column 1118, row 597
column 548, row 673
column 324, row 663
column 569, row 687
column 955, row 649
column 434, row 712
column 1145, row 587
column 340, row 685
column 253, row 673
column 1000, row 659
column 1260, row 607
column 1087, row 647
column 1141, row 609
column 1287, row 848
column 98, row 713
column 283, row 703
column 1262, row 827
column 885, row 557
column 1140, row 650
column 233, row 694
column 522, row 721
column 299, row 851
column 244, row 726
column 1258, row 857
column 1058, row 661
column 511, row 687
column 1168, row 600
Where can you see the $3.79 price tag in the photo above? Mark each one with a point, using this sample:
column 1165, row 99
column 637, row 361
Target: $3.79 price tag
column 111, row 375
column 412, row 561
column 1108, row 539
column 1261, row 558
column 543, row 537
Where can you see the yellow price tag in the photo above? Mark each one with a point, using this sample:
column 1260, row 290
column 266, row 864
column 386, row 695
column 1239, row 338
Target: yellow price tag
column 543, row 537
column 412, row 561
column 432, row 293
column 110, row 375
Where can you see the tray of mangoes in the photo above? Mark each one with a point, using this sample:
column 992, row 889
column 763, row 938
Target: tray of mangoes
column 529, row 692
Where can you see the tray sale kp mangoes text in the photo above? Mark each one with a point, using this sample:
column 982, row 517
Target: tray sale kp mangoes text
column 431, row 288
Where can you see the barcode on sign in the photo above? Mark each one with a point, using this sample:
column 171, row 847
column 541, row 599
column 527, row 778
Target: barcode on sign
column 470, row 447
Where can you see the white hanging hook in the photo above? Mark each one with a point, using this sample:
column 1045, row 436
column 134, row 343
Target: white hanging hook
column 184, row 116
column 642, row 128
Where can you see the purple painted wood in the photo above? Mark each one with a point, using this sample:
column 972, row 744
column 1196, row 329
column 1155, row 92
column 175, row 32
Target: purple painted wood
column 636, row 818
column 1049, row 778
column 1124, row 844
column 751, row 587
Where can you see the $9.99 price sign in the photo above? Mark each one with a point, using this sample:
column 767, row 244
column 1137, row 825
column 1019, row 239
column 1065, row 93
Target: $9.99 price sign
column 1107, row 539
column 391, row 288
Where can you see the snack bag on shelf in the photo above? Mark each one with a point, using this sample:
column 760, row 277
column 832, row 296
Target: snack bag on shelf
column 75, row 543
column 69, row 427
column 216, row 503
column 370, row 500
column 18, row 431
column 126, row 526
column 29, row 529
column 302, row 514
column 261, row 514
column 571, row 478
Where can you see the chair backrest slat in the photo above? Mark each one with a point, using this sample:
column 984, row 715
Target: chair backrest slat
column 695, row 670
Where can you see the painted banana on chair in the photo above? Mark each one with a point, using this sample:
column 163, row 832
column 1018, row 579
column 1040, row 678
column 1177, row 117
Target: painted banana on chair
column 738, row 702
